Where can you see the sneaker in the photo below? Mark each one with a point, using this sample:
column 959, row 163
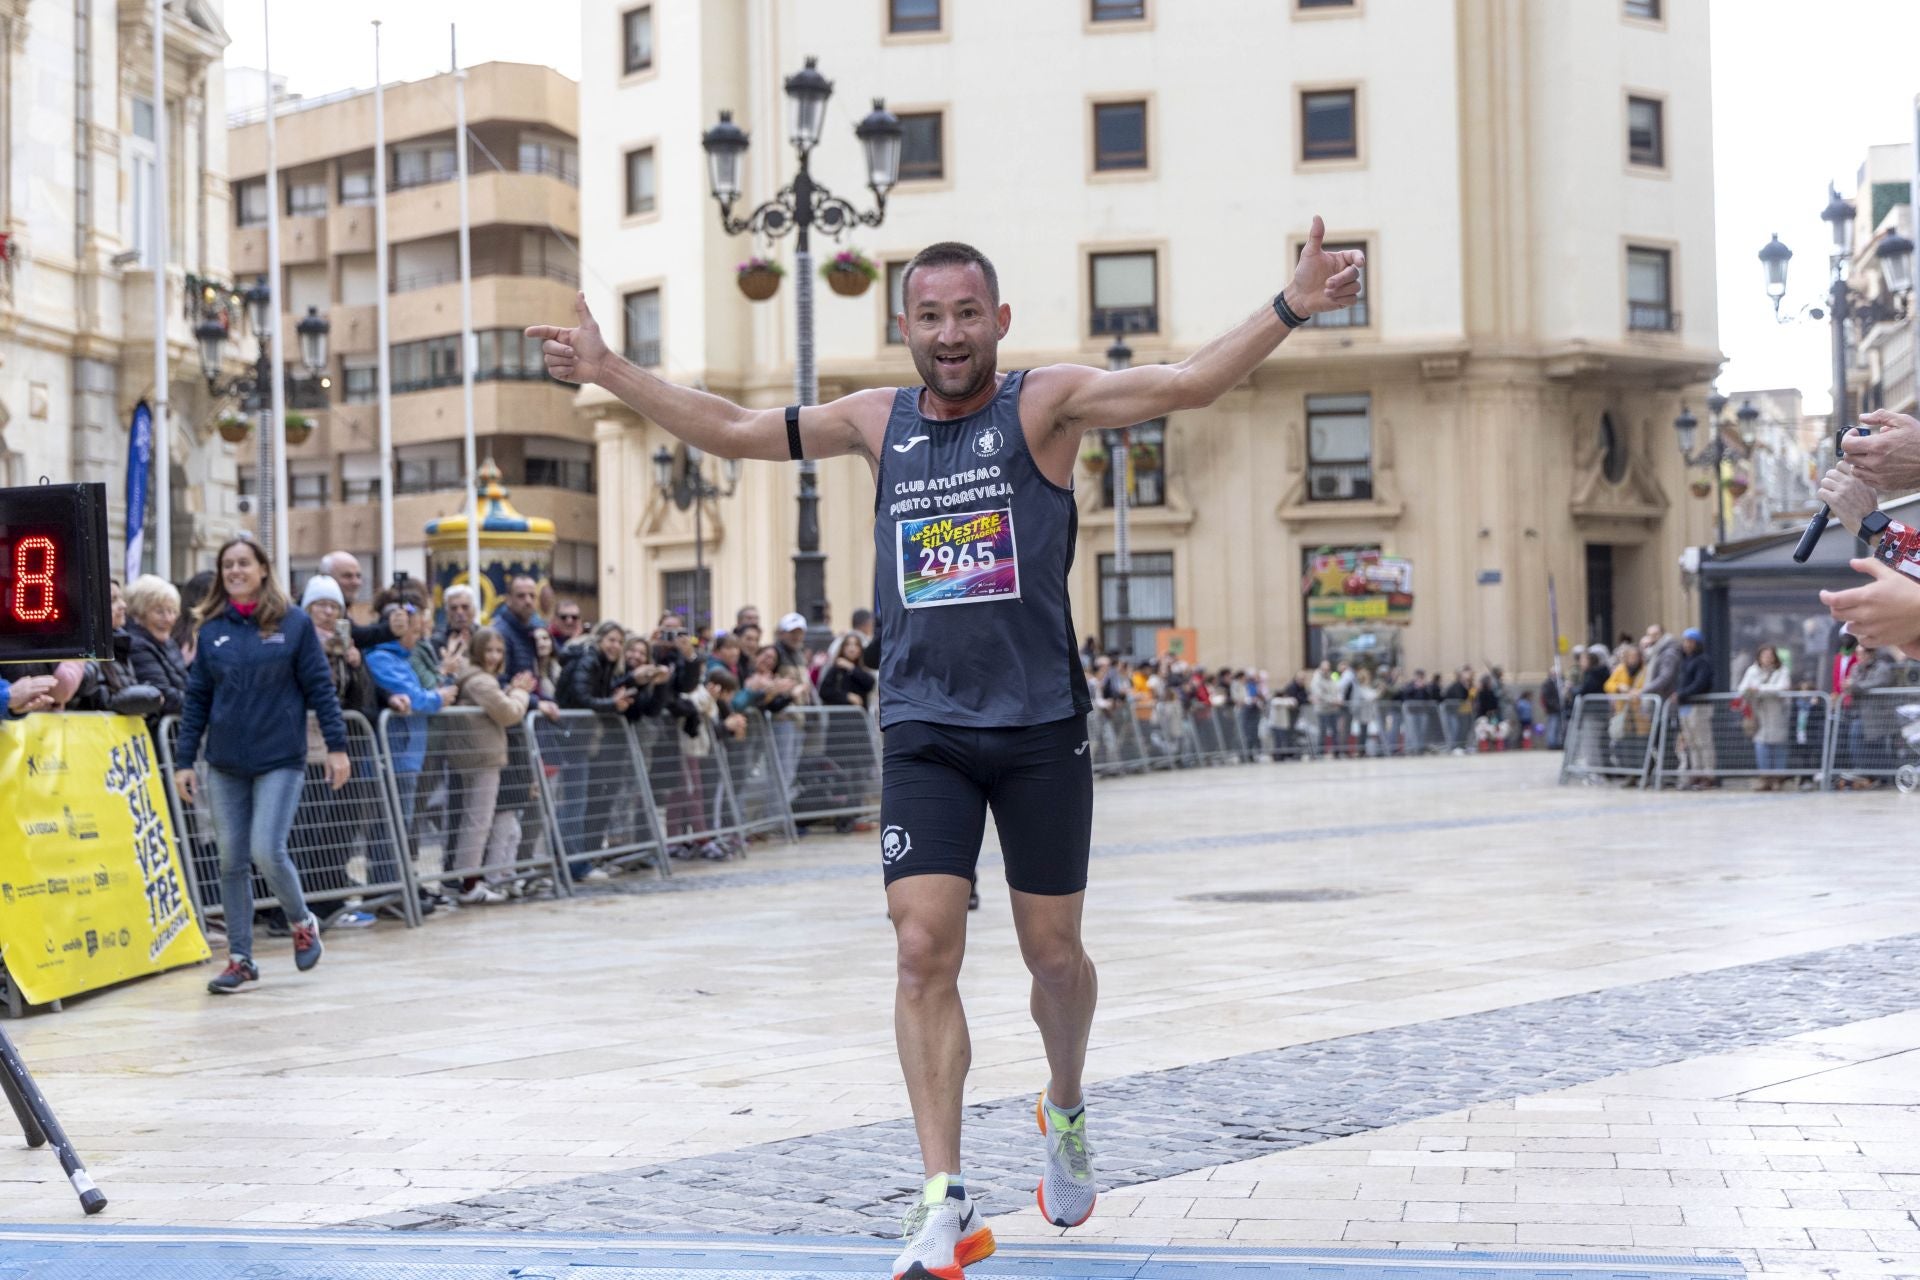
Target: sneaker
column 973, row 900
column 352, row 920
column 482, row 893
column 306, row 943
column 1066, row 1192
column 598, row 873
column 943, row 1236
column 238, row 973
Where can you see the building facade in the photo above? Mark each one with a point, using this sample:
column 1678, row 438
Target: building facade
column 524, row 214
column 1531, row 181
column 79, row 266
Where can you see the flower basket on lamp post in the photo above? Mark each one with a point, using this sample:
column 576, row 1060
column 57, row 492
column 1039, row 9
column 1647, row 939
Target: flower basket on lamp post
column 1700, row 487
column 233, row 427
column 299, row 428
column 1093, row 454
column 849, row 273
column 759, row 278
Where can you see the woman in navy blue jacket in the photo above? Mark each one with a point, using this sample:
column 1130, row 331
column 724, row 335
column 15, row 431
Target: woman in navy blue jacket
column 258, row 669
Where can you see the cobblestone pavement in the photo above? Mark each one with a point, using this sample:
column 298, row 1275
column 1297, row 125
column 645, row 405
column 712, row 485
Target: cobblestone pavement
column 1158, row 1124
column 1404, row 952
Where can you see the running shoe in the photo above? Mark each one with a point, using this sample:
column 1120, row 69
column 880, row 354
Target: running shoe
column 238, row 973
column 306, row 943
column 482, row 894
column 1066, row 1192
column 943, row 1236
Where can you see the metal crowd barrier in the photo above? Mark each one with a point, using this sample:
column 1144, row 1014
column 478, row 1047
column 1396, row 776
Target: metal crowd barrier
column 598, row 805
column 463, row 816
column 1114, row 731
column 346, row 844
column 1874, row 738
column 1772, row 736
column 692, row 792
column 753, row 772
column 835, row 762
column 1612, row 735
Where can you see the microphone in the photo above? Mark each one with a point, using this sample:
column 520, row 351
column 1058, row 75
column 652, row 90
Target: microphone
column 1818, row 525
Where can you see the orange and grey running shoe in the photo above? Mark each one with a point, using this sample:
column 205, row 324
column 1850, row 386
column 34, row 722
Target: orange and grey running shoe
column 1066, row 1193
column 943, row 1236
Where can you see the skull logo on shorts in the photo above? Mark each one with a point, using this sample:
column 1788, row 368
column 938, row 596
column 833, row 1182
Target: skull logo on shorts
column 895, row 844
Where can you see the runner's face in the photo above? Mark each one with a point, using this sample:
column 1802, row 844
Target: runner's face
column 954, row 329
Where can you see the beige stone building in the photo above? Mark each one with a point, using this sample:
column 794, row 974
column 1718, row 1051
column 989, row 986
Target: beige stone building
column 1531, row 180
column 525, row 217
column 78, row 265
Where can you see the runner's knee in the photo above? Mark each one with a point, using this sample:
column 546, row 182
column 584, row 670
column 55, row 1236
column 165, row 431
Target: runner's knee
column 928, row 956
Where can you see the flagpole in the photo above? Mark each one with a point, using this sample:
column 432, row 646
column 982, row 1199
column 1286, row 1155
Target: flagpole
column 466, row 332
column 275, row 446
column 380, row 273
column 162, row 433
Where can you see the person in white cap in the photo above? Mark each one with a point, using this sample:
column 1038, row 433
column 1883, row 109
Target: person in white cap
column 788, row 725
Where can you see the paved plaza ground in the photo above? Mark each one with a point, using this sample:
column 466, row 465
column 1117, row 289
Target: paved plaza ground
column 1422, row 1005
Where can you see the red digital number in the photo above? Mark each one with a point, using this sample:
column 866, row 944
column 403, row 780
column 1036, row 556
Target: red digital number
column 42, row 608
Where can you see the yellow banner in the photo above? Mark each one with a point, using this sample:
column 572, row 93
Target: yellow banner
column 92, row 891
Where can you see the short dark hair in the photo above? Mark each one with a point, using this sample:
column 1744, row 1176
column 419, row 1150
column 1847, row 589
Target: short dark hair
column 861, row 617
column 950, row 253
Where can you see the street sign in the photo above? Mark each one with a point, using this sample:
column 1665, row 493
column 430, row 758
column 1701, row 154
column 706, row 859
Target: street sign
column 54, row 574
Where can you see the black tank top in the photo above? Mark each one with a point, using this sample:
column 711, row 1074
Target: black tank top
column 971, row 551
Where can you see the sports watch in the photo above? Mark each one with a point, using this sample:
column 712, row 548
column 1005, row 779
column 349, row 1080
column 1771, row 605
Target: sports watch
column 1873, row 524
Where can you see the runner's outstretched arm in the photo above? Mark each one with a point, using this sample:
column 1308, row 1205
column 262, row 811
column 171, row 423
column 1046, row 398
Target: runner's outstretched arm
column 1082, row 399
column 580, row 354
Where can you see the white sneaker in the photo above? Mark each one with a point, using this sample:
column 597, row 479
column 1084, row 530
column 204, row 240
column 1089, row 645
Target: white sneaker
column 598, row 873
column 943, row 1236
column 1066, row 1193
column 482, row 893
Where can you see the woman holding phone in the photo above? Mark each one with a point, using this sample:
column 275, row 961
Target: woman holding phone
column 259, row 669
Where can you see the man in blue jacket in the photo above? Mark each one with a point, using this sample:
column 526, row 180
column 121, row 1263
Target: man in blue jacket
column 394, row 674
column 516, row 620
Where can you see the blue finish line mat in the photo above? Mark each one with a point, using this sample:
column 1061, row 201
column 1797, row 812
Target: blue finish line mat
column 169, row 1253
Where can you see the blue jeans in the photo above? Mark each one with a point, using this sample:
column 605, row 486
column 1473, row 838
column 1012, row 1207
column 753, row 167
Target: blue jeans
column 252, row 818
column 1770, row 757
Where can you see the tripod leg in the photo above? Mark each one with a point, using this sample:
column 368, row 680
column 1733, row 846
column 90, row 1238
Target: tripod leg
column 92, row 1200
column 21, row 1112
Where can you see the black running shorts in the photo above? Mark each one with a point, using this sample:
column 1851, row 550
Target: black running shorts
column 938, row 783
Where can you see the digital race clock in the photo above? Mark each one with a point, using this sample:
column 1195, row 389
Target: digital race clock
column 54, row 599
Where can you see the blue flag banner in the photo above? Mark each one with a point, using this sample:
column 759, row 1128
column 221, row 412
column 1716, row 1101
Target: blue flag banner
column 139, row 464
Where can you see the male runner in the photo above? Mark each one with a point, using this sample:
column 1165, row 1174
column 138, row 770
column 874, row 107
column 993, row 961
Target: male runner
column 982, row 699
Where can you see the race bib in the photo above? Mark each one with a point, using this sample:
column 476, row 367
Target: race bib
column 958, row 559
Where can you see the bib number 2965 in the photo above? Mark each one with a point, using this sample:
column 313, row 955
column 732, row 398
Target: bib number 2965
column 936, row 561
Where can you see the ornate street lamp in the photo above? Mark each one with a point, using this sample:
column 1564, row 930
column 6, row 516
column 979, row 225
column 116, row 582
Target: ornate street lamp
column 680, row 475
column 798, row 207
column 255, row 388
column 1844, row 303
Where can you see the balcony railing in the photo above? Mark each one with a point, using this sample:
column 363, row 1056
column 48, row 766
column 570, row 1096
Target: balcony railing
column 1339, row 481
column 447, row 170
column 1652, row 317
column 430, row 279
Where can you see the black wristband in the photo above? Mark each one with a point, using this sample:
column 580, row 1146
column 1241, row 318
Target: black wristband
column 1285, row 312
column 793, row 432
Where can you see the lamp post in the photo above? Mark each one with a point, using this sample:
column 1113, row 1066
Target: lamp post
column 798, row 207
column 255, row 389
column 1844, row 301
column 1714, row 453
column 1120, row 356
column 681, row 477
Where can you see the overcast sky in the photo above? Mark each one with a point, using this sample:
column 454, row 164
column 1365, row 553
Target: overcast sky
column 1800, row 90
